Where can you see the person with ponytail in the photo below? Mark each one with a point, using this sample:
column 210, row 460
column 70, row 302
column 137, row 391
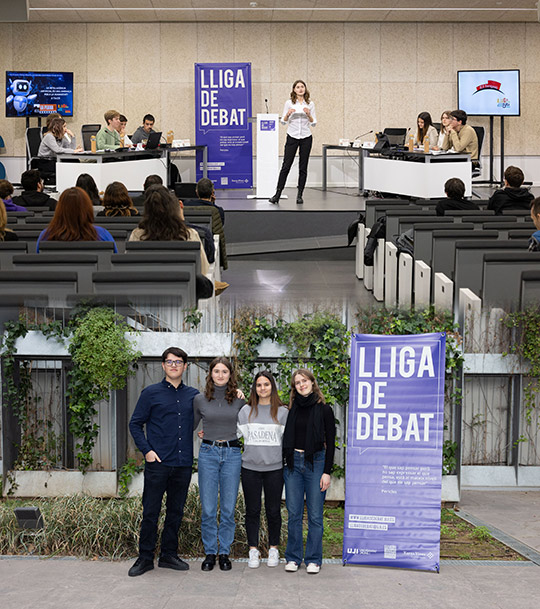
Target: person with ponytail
column 262, row 422
column 308, row 452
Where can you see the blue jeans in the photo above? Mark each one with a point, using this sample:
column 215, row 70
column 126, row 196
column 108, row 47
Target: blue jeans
column 219, row 474
column 305, row 480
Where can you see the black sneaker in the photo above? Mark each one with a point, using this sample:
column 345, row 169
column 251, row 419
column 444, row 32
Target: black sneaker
column 142, row 565
column 209, row 562
column 224, row 562
column 173, row 562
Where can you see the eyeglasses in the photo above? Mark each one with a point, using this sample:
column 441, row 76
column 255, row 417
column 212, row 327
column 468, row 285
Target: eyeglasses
column 173, row 362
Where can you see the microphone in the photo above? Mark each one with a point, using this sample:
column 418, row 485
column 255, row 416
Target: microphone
column 266, row 103
column 363, row 134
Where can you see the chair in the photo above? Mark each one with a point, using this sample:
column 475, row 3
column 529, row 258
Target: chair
column 477, row 169
column 45, row 164
column 396, row 135
column 87, row 131
column 102, row 249
column 8, row 249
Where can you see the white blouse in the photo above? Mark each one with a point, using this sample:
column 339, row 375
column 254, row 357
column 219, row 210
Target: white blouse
column 298, row 122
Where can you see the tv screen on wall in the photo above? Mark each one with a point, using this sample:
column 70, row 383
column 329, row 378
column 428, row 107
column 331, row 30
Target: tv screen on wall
column 39, row 93
column 489, row 92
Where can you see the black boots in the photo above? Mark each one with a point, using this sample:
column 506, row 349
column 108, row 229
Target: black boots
column 299, row 200
column 276, row 197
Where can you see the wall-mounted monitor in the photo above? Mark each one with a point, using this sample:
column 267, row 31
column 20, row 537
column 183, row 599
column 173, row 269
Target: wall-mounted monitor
column 489, row 92
column 39, row 93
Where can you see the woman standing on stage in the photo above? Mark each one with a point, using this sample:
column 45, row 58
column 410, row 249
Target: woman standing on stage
column 220, row 460
column 308, row 451
column 299, row 116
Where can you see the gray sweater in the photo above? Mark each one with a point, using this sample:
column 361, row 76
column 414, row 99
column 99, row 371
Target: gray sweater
column 262, row 438
column 219, row 418
column 50, row 146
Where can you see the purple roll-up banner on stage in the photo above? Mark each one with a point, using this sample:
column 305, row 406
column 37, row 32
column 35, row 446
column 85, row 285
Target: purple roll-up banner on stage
column 394, row 451
column 222, row 109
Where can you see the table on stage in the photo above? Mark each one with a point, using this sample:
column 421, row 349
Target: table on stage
column 414, row 174
column 131, row 167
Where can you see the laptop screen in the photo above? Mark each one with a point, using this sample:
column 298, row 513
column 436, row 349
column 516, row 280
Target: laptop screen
column 153, row 140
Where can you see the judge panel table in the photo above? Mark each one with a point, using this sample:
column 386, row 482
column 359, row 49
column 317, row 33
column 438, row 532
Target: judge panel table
column 362, row 152
column 416, row 174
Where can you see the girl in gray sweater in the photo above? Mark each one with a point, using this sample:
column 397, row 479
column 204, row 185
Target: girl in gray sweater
column 262, row 421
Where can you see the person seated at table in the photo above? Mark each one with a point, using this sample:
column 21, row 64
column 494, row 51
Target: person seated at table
column 73, row 220
column 445, row 121
column 88, row 184
column 142, row 133
column 207, row 196
column 108, row 138
column 58, row 139
column 534, row 241
column 454, row 189
column 461, row 137
column 117, row 201
column 513, row 195
column 6, row 234
column 424, row 129
column 6, row 190
column 123, row 124
column 151, row 180
column 32, row 194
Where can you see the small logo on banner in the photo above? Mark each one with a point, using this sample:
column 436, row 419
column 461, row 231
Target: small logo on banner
column 268, row 125
column 390, row 551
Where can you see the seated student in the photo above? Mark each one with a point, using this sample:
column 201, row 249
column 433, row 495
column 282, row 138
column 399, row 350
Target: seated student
column 512, row 196
column 122, row 131
column 142, row 133
column 455, row 191
column 58, row 139
column 445, row 122
column 5, row 233
column 460, row 136
column 534, row 241
column 117, row 201
column 6, row 190
column 151, row 180
column 424, row 129
column 108, row 138
column 73, row 220
column 32, row 194
column 207, row 196
column 88, row 184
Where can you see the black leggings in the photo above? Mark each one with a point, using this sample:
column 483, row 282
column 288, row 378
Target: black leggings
column 253, row 483
column 291, row 146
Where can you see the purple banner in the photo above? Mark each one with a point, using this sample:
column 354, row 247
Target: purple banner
column 222, row 109
column 394, row 451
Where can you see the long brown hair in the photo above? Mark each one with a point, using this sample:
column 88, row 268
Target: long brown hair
column 3, row 221
column 253, row 400
column 421, row 133
column 56, row 127
column 117, row 201
column 162, row 220
column 73, row 218
column 293, row 94
column 309, row 375
column 232, row 384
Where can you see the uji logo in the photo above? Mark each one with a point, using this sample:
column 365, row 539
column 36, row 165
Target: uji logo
column 503, row 102
column 492, row 85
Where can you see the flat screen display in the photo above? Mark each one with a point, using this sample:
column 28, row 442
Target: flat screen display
column 489, row 92
column 39, row 93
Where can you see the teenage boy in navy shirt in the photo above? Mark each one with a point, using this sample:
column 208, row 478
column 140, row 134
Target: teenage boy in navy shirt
column 166, row 410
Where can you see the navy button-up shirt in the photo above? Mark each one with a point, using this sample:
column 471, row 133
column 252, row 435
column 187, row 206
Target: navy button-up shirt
column 167, row 413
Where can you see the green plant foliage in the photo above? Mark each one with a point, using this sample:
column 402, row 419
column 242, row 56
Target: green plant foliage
column 481, row 533
column 125, row 475
column 449, row 457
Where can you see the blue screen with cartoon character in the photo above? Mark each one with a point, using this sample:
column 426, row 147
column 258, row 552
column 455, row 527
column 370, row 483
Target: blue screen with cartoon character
column 39, row 93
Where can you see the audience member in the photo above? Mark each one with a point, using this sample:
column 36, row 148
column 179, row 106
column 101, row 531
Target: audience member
column 151, row 180
column 425, row 129
column 207, row 196
column 5, row 233
column 117, row 201
column 108, row 138
column 534, row 241
column 461, row 137
column 73, row 220
column 512, row 196
column 142, row 133
column 88, row 184
column 6, row 190
column 58, row 139
column 32, row 194
column 455, row 193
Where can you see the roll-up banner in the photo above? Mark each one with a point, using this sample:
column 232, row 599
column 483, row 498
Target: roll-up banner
column 394, row 451
column 222, row 109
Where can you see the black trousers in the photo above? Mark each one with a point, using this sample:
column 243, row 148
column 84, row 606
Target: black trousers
column 291, row 146
column 158, row 480
column 253, row 483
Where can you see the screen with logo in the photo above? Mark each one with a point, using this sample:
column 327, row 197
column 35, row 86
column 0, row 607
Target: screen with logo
column 489, row 92
column 39, row 93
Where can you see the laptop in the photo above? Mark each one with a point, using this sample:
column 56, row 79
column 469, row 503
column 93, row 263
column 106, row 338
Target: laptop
column 153, row 140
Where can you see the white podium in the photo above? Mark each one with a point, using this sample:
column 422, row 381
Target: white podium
column 267, row 156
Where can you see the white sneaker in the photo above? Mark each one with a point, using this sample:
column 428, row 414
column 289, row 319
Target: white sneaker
column 273, row 557
column 291, row 567
column 313, row 568
column 254, row 558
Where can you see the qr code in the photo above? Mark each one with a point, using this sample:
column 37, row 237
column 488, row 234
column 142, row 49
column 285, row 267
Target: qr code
column 389, row 551
column 224, row 181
